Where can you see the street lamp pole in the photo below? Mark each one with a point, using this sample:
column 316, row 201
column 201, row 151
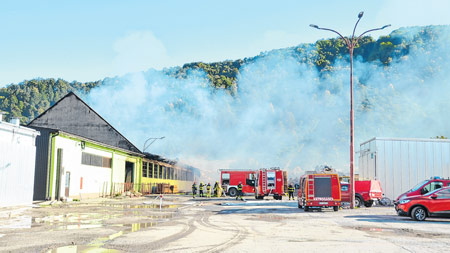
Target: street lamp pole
column 351, row 43
column 153, row 140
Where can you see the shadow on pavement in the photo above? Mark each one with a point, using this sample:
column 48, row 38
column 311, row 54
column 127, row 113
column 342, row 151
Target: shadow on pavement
column 395, row 219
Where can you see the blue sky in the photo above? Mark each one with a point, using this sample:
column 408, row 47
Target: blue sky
column 90, row 40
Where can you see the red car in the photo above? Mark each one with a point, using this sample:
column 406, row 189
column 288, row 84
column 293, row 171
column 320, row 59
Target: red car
column 419, row 207
column 424, row 187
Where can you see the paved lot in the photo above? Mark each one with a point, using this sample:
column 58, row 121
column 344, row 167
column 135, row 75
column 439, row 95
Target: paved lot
column 213, row 225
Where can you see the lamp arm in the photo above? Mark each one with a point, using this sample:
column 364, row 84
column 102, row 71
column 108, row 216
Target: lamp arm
column 331, row 30
column 368, row 31
column 354, row 29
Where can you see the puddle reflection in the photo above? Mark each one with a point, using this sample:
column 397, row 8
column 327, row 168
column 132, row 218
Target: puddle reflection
column 77, row 248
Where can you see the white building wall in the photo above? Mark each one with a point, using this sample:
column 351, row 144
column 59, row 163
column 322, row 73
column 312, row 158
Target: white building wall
column 17, row 163
column 94, row 179
column 400, row 164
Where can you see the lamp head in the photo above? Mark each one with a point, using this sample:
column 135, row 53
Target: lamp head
column 385, row 26
column 314, row 26
column 361, row 14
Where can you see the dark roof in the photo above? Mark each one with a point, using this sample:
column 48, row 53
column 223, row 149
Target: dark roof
column 159, row 158
column 72, row 115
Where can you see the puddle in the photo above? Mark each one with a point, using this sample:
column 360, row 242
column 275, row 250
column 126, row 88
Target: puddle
column 152, row 206
column 77, row 248
column 399, row 231
column 370, row 229
column 102, row 240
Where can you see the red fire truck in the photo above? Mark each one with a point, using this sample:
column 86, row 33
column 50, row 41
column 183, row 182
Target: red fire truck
column 270, row 182
column 319, row 189
column 366, row 192
column 230, row 179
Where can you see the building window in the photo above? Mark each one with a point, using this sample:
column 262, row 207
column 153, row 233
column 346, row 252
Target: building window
column 95, row 160
column 144, row 169
column 150, row 170
column 161, row 171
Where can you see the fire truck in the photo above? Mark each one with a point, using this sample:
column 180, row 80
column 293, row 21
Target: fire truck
column 366, row 192
column 230, row 179
column 270, row 182
column 319, row 189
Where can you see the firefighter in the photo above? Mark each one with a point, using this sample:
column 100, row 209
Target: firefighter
column 208, row 190
column 194, row 190
column 239, row 191
column 200, row 186
column 291, row 190
column 216, row 189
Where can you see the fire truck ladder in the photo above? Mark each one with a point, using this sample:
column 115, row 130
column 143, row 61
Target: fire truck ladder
column 264, row 181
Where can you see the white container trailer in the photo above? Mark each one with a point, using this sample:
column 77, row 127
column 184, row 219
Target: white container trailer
column 17, row 163
column 401, row 163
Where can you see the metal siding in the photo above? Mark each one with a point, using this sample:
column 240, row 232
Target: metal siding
column 402, row 163
column 16, row 169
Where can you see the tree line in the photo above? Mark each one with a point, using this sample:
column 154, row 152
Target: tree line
column 30, row 98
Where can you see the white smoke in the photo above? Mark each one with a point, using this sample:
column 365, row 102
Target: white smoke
column 285, row 113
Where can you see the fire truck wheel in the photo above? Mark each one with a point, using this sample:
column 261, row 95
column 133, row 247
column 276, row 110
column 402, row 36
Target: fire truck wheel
column 299, row 206
column 335, row 208
column 232, row 192
column 368, row 203
column 306, row 208
column 358, row 201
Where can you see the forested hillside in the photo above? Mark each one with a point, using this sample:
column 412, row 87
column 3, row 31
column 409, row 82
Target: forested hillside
column 28, row 99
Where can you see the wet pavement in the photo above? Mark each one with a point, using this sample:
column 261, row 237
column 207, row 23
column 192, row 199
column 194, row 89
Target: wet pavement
column 97, row 216
column 183, row 224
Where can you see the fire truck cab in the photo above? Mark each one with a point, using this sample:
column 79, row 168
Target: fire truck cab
column 318, row 190
column 270, row 182
column 230, row 179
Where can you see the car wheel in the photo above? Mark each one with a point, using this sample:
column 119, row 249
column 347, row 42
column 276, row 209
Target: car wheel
column 368, row 203
column 232, row 192
column 358, row 201
column 419, row 213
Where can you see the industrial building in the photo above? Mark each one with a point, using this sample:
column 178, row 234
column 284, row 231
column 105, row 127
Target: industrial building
column 17, row 156
column 80, row 155
column 159, row 170
column 401, row 163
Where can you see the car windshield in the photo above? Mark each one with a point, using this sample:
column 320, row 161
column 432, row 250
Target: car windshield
column 417, row 187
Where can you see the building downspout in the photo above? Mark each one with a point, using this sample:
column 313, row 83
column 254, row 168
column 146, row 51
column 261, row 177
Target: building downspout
column 112, row 173
column 50, row 165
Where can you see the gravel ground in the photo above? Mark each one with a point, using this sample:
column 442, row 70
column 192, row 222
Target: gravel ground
column 213, row 225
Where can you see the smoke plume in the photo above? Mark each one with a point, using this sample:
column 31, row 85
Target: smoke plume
column 285, row 113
